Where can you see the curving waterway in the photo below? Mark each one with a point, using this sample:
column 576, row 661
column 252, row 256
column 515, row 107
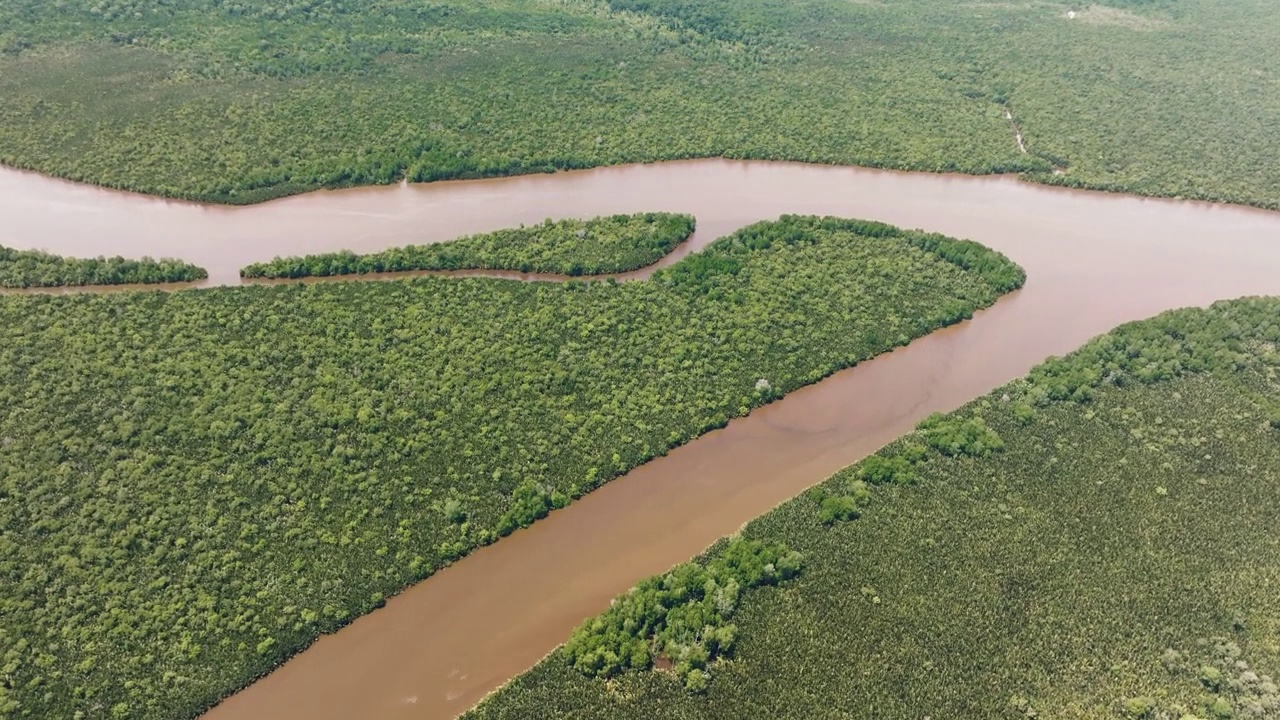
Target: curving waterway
column 1093, row 261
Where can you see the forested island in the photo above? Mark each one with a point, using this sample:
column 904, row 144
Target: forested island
column 239, row 102
column 195, row 485
column 617, row 243
column 1096, row 540
column 32, row 269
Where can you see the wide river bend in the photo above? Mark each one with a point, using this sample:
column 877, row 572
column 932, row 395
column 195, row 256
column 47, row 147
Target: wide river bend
column 1093, row 261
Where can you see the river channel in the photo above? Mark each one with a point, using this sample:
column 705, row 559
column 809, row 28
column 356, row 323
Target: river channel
column 1093, row 261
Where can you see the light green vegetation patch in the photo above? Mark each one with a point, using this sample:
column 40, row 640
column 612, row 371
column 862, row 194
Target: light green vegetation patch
column 194, row 485
column 681, row 617
column 1117, row 557
column 32, row 268
column 617, row 243
column 243, row 101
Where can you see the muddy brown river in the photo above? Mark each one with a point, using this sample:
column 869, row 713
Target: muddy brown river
column 1093, row 261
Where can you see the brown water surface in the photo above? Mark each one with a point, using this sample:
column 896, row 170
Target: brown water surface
column 1093, row 261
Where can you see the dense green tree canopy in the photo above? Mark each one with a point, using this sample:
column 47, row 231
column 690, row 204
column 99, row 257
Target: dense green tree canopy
column 570, row 247
column 32, row 268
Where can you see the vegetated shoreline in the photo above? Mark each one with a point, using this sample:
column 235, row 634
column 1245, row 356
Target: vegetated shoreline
column 163, row 287
column 1046, row 178
column 513, row 275
column 989, row 268
column 285, row 222
column 460, row 274
column 254, row 274
column 701, row 556
column 1108, row 363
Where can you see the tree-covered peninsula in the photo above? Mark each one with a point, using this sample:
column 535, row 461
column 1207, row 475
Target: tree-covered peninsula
column 195, row 485
column 617, row 243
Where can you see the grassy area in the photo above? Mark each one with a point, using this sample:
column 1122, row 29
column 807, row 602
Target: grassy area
column 195, row 485
column 32, row 268
column 1114, row 552
column 240, row 102
column 617, row 243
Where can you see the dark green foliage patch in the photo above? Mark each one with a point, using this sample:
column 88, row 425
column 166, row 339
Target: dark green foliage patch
column 32, row 268
column 569, row 247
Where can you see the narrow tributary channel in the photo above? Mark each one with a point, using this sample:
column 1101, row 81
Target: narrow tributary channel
column 1093, row 261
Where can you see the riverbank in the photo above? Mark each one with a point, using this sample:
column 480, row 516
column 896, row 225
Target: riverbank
column 81, row 220
column 274, row 462
column 1171, row 99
